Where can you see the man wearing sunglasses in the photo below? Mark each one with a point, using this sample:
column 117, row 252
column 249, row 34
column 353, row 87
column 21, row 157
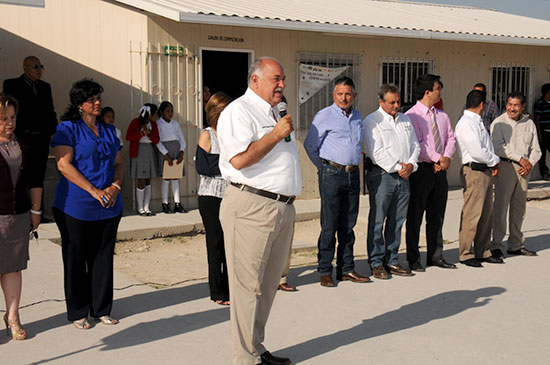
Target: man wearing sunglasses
column 36, row 118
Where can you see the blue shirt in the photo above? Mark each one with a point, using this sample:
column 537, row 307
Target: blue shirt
column 93, row 157
column 335, row 136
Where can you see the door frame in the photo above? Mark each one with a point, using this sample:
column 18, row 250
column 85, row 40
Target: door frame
column 218, row 49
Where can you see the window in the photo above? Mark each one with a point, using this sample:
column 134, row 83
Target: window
column 508, row 78
column 323, row 97
column 402, row 73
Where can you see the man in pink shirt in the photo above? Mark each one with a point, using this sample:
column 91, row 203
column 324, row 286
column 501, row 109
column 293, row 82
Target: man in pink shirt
column 428, row 184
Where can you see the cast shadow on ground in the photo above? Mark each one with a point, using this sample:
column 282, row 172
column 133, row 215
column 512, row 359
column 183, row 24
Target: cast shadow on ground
column 305, row 275
column 436, row 307
column 133, row 304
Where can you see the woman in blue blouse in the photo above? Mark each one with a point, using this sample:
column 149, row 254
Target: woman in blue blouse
column 87, row 206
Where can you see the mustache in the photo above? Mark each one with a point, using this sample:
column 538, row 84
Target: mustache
column 278, row 89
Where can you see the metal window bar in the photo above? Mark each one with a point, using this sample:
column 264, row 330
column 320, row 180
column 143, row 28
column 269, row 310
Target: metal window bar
column 508, row 78
column 323, row 97
column 403, row 73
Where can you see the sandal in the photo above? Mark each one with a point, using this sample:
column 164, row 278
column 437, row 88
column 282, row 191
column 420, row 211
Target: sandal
column 14, row 329
column 82, row 324
column 108, row 320
column 222, row 302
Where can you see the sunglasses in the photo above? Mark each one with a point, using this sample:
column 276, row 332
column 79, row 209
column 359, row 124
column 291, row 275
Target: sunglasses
column 37, row 66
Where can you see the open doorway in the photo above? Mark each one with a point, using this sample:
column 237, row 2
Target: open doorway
column 224, row 71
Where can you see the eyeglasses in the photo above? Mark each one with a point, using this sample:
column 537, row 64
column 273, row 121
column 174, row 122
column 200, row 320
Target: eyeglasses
column 37, row 66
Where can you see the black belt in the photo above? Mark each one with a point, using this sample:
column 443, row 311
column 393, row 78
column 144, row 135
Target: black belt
column 477, row 166
column 508, row 160
column 278, row 197
column 426, row 164
column 346, row 168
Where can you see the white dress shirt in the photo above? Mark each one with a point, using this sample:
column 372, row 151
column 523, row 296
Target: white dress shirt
column 244, row 121
column 389, row 141
column 474, row 141
column 169, row 131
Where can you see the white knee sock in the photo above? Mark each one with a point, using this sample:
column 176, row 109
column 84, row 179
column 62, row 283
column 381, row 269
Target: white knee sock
column 164, row 187
column 139, row 198
column 176, row 190
column 146, row 197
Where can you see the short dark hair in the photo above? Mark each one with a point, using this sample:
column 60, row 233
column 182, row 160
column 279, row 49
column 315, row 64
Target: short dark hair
column 387, row 88
column 346, row 81
column 107, row 109
column 81, row 91
column 425, row 83
column 163, row 106
column 545, row 89
column 516, row 95
column 475, row 98
column 481, row 85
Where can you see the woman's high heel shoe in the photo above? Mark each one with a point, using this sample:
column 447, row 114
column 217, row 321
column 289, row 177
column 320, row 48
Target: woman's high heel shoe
column 14, row 329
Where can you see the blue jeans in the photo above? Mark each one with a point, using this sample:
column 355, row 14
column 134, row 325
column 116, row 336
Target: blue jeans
column 339, row 208
column 389, row 199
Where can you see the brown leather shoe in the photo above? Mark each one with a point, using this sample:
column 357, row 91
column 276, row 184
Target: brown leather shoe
column 286, row 287
column 326, row 280
column 399, row 270
column 354, row 277
column 380, row 273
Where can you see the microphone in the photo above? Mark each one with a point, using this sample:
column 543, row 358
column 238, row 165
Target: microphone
column 282, row 112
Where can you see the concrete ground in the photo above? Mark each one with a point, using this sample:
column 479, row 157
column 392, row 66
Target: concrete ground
column 498, row 314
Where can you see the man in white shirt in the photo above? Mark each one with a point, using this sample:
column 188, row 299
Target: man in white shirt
column 391, row 145
column 480, row 164
column 516, row 143
column 256, row 212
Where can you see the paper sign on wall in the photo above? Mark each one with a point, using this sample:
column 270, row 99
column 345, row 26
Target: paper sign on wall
column 314, row 78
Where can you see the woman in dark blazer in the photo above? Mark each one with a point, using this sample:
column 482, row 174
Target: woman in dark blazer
column 20, row 195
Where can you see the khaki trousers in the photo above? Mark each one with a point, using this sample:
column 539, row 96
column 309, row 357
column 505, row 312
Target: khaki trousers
column 510, row 197
column 258, row 233
column 477, row 214
column 286, row 269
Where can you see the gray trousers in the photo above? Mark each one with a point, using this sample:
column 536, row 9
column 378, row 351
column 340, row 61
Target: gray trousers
column 258, row 234
column 511, row 199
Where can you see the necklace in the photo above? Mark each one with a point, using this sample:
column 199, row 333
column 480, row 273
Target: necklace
column 7, row 145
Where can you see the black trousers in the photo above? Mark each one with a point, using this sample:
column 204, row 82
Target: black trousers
column 544, row 146
column 209, row 208
column 429, row 192
column 88, row 248
column 39, row 148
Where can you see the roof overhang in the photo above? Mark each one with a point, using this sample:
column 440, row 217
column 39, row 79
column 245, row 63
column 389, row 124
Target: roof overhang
column 168, row 9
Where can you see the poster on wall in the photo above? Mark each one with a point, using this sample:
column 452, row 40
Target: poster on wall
column 314, row 78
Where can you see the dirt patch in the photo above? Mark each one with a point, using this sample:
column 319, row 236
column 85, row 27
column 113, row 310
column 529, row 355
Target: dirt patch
column 168, row 261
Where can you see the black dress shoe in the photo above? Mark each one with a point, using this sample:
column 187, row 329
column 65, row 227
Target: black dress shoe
column 492, row 260
column 178, row 208
column 471, row 263
column 267, row 358
column 523, row 252
column 442, row 264
column 497, row 253
column 417, row 266
column 166, row 209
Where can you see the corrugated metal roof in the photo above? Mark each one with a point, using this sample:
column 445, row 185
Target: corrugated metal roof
column 361, row 17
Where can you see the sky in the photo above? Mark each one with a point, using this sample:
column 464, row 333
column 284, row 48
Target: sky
column 531, row 8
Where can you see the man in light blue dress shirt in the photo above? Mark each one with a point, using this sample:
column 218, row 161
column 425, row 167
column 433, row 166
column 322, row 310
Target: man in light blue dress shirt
column 333, row 144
